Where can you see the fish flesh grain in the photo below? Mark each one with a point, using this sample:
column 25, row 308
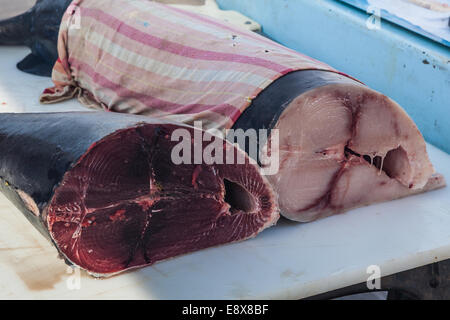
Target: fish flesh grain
column 342, row 145
column 103, row 189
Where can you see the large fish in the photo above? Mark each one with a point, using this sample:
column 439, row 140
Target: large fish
column 104, row 189
column 37, row 29
column 342, row 145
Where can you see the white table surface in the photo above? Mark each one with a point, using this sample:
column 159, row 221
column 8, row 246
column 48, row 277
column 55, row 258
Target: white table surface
column 290, row 260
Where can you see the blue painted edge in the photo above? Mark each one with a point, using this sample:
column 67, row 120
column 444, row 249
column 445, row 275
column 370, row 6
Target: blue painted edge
column 412, row 70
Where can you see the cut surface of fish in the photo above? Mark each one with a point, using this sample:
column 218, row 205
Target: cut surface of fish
column 119, row 201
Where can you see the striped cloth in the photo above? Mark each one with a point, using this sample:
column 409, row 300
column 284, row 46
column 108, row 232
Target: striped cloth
column 142, row 57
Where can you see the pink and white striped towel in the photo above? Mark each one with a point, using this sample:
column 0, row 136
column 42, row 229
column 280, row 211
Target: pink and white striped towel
column 142, row 57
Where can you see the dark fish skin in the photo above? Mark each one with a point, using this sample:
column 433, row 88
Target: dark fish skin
column 102, row 188
column 31, row 141
column 269, row 105
column 272, row 101
column 38, row 30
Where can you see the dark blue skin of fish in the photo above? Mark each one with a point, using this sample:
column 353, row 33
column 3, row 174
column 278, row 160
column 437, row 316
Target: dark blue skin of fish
column 38, row 29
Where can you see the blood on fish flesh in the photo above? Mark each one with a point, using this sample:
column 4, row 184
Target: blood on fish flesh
column 342, row 145
column 104, row 189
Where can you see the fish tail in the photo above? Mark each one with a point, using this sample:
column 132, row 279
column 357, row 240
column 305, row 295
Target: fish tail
column 15, row 30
